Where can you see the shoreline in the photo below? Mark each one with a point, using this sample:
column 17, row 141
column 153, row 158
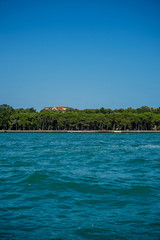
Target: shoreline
column 76, row 131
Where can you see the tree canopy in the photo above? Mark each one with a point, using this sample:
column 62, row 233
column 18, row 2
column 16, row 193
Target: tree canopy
column 143, row 118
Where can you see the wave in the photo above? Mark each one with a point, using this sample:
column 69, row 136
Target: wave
column 138, row 190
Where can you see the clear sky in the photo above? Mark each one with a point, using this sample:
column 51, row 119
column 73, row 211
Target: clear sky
column 81, row 54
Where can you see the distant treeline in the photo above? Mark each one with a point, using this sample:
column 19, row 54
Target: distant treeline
column 143, row 118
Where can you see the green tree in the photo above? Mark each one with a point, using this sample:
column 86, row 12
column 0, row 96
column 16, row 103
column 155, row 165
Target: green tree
column 5, row 114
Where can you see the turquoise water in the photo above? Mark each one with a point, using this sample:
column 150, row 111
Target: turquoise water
column 79, row 186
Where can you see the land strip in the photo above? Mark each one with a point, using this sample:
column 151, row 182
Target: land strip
column 76, row 131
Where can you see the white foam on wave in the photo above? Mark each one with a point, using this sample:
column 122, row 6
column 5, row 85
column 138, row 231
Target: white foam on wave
column 150, row 146
column 131, row 147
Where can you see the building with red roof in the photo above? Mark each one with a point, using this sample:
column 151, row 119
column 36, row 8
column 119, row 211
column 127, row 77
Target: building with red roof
column 59, row 108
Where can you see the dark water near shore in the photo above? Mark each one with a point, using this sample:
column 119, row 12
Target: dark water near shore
column 79, row 186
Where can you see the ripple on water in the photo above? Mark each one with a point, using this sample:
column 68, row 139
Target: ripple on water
column 79, row 186
column 137, row 191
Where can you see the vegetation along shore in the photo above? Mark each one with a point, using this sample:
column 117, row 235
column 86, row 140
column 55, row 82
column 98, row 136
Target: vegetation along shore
column 143, row 119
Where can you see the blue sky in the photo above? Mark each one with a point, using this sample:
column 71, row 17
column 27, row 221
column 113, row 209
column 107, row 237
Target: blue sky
column 82, row 54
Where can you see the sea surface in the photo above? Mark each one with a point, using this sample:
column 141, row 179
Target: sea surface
column 80, row 186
